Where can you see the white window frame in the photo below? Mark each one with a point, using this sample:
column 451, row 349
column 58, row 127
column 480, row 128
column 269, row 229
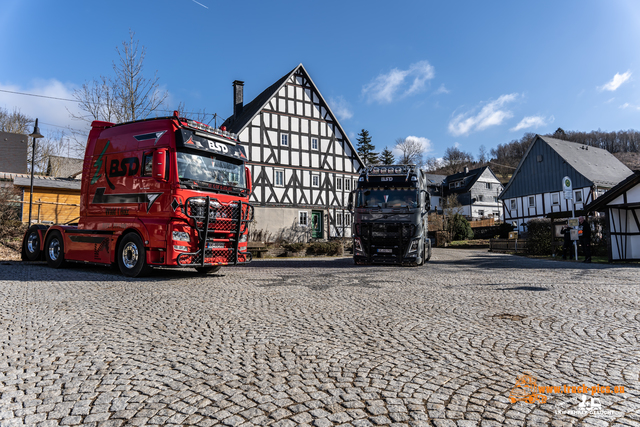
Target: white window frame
column 347, row 184
column 555, row 199
column 347, row 219
column 514, row 205
column 314, row 141
column 284, row 139
column 315, row 180
column 488, row 185
column 531, row 201
column 303, row 218
column 338, row 184
column 276, row 173
column 481, row 212
column 480, row 198
column 338, row 219
column 578, row 193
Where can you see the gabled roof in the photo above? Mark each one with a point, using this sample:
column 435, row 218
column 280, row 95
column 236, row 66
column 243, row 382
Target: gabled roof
column 470, row 178
column 433, row 179
column 253, row 108
column 47, row 182
column 595, row 164
column 624, row 185
column 64, row 167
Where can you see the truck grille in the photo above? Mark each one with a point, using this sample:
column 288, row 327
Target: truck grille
column 210, row 216
column 386, row 242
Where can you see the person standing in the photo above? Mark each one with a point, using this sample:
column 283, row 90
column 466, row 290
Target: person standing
column 566, row 247
column 585, row 238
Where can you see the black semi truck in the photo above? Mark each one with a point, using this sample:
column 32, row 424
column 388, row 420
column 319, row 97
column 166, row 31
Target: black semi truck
column 390, row 207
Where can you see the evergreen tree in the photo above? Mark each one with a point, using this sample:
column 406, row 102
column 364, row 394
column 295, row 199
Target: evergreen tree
column 365, row 148
column 386, row 157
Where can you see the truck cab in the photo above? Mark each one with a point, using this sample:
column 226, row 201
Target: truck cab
column 168, row 192
column 390, row 207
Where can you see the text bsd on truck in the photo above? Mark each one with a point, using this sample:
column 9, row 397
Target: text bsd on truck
column 167, row 192
column 390, row 206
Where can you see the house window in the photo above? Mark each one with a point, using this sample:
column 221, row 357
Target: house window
column 481, row 213
column 488, row 185
column 339, row 184
column 578, row 196
column 314, row 143
column 514, row 206
column 555, row 199
column 495, row 199
column 338, row 219
column 284, row 140
column 315, row 180
column 303, row 218
column 347, row 184
column 278, row 178
column 452, row 185
column 480, row 198
column 347, row 219
column 532, row 201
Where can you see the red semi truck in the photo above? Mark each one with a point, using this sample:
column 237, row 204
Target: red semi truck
column 168, row 192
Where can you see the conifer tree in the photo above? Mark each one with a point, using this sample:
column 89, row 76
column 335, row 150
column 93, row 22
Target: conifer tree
column 365, row 148
column 386, row 157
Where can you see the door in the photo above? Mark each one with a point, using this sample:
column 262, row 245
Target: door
column 316, row 225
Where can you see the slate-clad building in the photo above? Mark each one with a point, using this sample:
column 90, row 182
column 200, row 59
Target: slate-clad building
column 535, row 189
column 477, row 191
column 302, row 163
column 13, row 152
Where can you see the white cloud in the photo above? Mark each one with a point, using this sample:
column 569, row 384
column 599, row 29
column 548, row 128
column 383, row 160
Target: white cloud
column 341, row 107
column 532, row 122
column 49, row 111
column 627, row 105
column 441, row 89
column 424, row 142
column 491, row 114
column 387, row 87
column 615, row 83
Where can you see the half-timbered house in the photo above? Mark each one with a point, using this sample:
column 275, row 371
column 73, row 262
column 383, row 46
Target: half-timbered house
column 535, row 189
column 302, row 163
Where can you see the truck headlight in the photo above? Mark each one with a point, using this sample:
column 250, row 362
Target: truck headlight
column 180, row 236
column 358, row 245
column 414, row 245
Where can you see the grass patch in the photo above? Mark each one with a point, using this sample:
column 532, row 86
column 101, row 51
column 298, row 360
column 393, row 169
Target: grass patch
column 469, row 243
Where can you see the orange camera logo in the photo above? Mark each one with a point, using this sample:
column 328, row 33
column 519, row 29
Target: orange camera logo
column 526, row 390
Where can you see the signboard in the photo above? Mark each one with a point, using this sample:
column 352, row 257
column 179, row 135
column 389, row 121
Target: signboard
column 513, row 235
column 567, row 188
column 573, row 222
column 574, row 234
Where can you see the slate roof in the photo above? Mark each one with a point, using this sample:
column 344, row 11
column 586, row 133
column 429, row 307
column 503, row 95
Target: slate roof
column 595, row 164
column 47, row 182
column 251, row 109
column 470, row 178
column 433, row 179
column 64, row 167
column 624, row 185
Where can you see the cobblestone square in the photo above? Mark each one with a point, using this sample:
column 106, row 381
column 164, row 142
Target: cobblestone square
column 320, row 342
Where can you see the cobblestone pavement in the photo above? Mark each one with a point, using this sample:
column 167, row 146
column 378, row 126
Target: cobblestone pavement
column 319, row 342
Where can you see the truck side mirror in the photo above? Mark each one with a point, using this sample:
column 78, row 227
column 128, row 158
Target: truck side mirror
column 426, row 207
column 159, row 169
column 247, row 173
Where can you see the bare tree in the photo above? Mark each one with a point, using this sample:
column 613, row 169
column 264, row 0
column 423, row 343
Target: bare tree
column 432, row 164
column 454, row 159
column 411, row 151
column 482, row 155
column 53, row 144
column 126, row 96
column 14, row 121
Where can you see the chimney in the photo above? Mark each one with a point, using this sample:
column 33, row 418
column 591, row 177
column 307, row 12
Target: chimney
column 237, row 98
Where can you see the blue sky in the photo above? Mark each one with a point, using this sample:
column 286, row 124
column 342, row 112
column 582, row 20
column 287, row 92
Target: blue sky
column 459, row 73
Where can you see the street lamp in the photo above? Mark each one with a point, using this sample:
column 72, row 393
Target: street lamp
column 36, row 134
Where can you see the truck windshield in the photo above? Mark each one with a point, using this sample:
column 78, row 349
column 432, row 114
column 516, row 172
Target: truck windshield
column 208, row 168
column 387, row 198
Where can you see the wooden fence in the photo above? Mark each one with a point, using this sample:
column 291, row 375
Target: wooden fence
column 483, row 223
column 508, row 245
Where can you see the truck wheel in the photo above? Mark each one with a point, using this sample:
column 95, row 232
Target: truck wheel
column 132, row 256
column 54, row 250
column 207, row 270
column 427, row 252
column 31, row 244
